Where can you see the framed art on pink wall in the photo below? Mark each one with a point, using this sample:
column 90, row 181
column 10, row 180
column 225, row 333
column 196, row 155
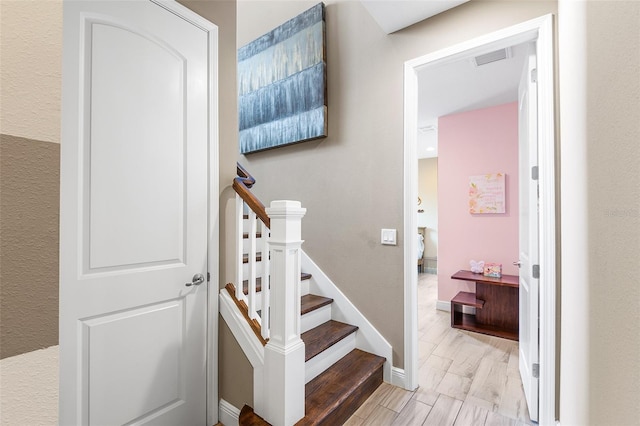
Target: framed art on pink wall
column 487, row 193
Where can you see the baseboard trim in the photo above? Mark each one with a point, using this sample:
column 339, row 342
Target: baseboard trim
column 398, row 377
column 228, row 414
column 443, row 305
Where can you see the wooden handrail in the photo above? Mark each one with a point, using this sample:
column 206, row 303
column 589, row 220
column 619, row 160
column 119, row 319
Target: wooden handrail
column 242, row 185
column 242, row 306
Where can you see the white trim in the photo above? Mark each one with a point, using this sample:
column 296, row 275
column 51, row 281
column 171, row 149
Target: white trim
column 214, row 228
column 315, row 318
column 540, row 29
column 241, row 330
column 576, row 385
column 229, row 414
column 398, row 377
column 367, row 337
column 213, row 243
column 443, row 305
column 411, row 224
column 325, row 359
column 547, row 228
column 249, row 343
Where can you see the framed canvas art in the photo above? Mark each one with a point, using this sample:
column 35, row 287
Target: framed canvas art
column 487, row 193
column 282, row 84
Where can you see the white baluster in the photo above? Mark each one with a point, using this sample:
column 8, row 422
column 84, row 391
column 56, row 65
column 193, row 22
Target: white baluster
column 253, row 252
column 239, row 246
column 284, row 353
column 266, row 291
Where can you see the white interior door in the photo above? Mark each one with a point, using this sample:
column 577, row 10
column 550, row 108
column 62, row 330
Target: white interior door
column 528, row 205
column 134, row 193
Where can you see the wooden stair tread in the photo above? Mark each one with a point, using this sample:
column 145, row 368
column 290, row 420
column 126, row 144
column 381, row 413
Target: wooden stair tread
column 249, row 418
column 324, row 336
column 245, row 283
column 311, row 302
column 330, row 399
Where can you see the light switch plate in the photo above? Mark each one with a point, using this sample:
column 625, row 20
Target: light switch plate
column 388, row 237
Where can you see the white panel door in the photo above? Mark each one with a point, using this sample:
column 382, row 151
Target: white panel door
column 528, row 238
column 134, row 193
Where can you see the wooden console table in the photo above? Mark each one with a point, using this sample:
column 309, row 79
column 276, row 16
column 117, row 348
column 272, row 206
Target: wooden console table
column 496, row 303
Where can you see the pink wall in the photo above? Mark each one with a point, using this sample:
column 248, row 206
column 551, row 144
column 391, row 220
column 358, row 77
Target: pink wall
column 475, row 143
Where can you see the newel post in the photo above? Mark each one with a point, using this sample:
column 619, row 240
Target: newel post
column 284, row 369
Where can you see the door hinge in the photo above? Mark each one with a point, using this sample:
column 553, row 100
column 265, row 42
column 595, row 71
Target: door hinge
column 535, row 271
column 535, row 371
column 534, row 173
column 534, row 75
column 208, row 277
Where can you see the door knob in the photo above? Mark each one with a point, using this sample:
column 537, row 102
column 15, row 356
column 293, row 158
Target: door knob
column 518, row 263
column 196, row 280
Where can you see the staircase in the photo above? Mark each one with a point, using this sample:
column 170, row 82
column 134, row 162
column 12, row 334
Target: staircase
column 339, row 376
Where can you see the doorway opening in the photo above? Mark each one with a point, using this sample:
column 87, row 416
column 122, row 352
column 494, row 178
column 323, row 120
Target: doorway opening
column 539, row 32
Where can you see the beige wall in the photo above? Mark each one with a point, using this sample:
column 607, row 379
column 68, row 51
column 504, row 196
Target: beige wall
column 30, row 47
column 29, row 183
column 613, row 170
column 428, row 193
column 351, row 182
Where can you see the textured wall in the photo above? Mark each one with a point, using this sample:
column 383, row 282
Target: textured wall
column 33, row 383
column 474, row 143
column 30, row 80
column 600, row 106
column 31, row 48
column 29, row 183
column 613, row 162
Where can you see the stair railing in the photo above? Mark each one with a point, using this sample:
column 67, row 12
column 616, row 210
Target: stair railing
column 250, row 207
column 284, row 354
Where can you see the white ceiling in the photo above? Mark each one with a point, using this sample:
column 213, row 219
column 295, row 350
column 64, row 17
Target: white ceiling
column 454, row 86
column 460, row 86
column 394, row 15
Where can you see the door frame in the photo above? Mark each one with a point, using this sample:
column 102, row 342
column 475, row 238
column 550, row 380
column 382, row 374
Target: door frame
column 213, row 225
column 541, row 31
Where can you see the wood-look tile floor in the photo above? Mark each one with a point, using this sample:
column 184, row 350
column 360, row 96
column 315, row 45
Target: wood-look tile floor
column 466, row 379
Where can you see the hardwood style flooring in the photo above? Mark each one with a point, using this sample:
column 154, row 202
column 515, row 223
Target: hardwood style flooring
column 466, row 379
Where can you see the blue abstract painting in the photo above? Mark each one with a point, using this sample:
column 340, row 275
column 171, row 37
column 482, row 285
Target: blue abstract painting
column 282, row 84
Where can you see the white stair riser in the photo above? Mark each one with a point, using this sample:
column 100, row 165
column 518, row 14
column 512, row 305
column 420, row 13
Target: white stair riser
column 315, row 318
column 304, row 287
column 330, row 356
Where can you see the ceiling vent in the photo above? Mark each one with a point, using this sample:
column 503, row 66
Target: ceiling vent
column 495, row 56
